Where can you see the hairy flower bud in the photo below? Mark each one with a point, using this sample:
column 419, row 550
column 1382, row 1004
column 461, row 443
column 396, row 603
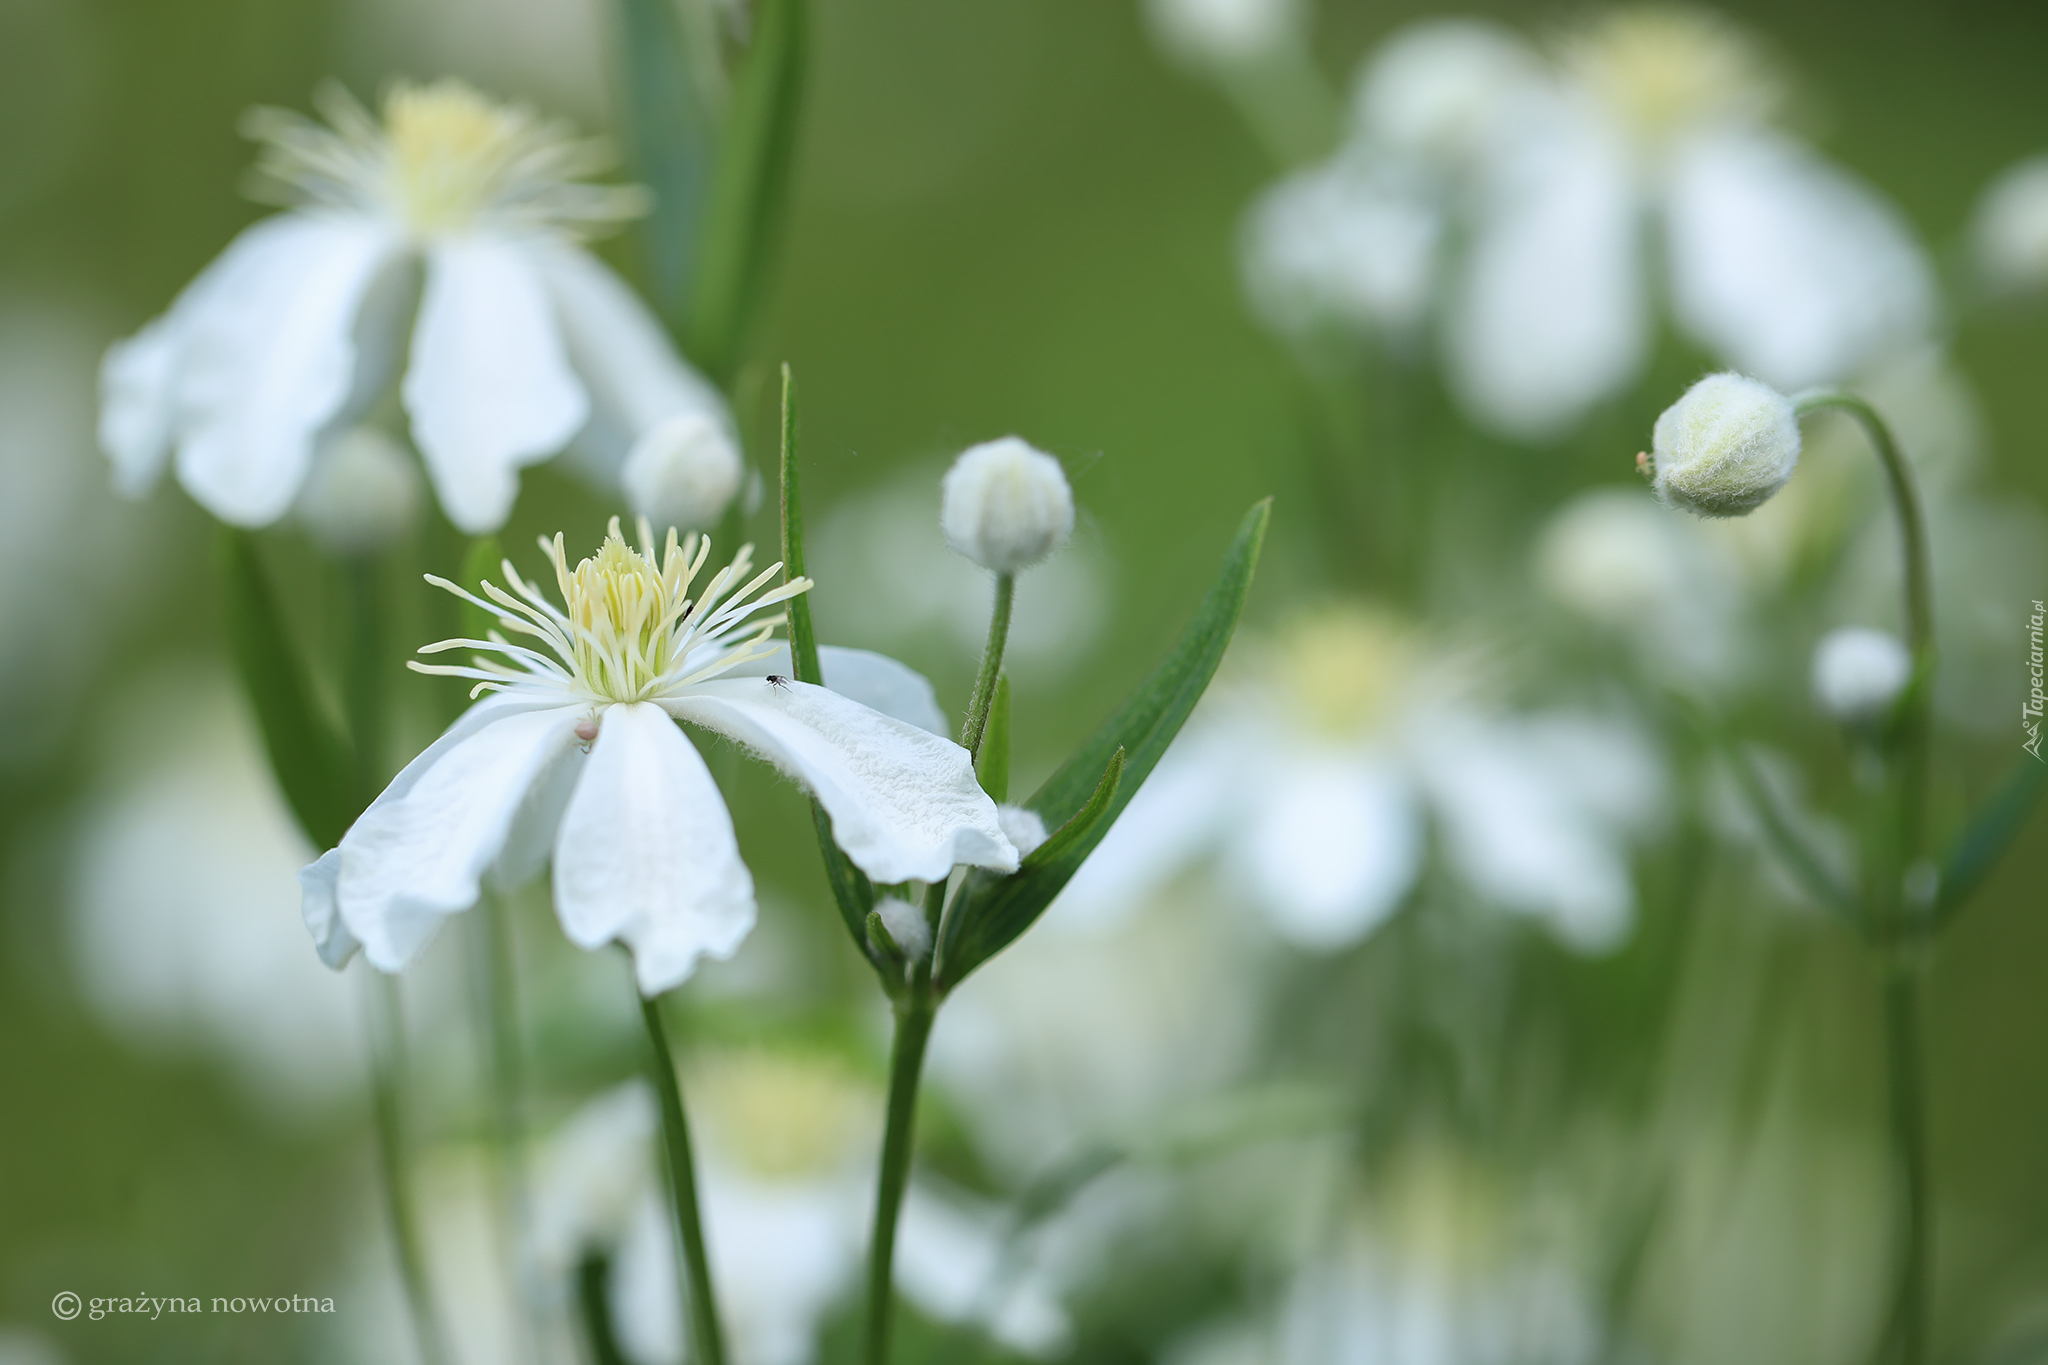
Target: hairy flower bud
column 363, row 492
column 683, row 473
column 1724, row 448
column 1005, row 505
column 1859, row 672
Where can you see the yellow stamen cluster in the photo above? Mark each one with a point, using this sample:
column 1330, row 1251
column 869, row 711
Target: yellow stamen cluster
column 630, row 628
column 444, row 158
column 1664, row 69
column 1346, row 666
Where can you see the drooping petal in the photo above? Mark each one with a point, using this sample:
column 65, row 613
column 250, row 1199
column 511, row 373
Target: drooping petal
column 413, row 859
column 1789, row 268
column 136, row 411
column 904, row 803
column 1332, row 845
column 876, row 681
column 265, row 356
column 657, row 428
column 489, row 386
column 646, row 852
column 331, row 938
column 1551, row 316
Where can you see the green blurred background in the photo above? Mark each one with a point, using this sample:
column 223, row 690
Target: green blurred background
column 1010, row 215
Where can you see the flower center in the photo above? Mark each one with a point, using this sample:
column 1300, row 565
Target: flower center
column 446, row 159
column 630, row 627
column 1345, row 666
column 1661, row 70
column 783, row 1116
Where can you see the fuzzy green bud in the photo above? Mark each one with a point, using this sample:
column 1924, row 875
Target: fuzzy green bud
column 1724, row 448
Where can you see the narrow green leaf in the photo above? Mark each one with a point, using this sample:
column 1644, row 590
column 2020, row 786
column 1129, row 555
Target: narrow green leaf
column 669, row 135
column 1991, row 831
column 803, row 637
column 989, row 911
column 1147, row 722
column 852, row 892
column 308, row 755
column 743, row 220
column 993, row 767
column 482, row 561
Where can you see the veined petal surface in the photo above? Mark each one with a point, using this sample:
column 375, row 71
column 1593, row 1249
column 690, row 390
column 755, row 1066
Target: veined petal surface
column 904, row 803
column 876, row 681
column 646, row 852
column 489, row 387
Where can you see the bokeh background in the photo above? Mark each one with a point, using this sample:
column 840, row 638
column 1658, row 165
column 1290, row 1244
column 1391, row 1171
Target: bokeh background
column 1021, row 216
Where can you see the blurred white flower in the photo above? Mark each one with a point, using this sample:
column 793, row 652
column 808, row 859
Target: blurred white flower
column 1352, row 242
column 1551, row 173
column 2009, row 232
column 21, row 1346
column 183, row 929
column 578, row 757
column 464, row 213
column 1313, row 784
column 1725, row 447
column 1859, row 672
column 785, row 1170
column 1005, row 505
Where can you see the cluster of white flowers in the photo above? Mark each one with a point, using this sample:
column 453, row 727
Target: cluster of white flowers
column 1499, row 197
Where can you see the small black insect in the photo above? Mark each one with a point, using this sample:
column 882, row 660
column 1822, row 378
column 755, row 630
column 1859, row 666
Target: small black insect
column 777, row 680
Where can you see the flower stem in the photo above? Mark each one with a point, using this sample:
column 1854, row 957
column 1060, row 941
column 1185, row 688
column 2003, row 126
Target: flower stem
column 363, row 674
column 1901, row 923
column 914, row 1013
column 700, row 1305
column 387, row 1065
column 497, row 1008
column 991, row 665
column 1909, row 1138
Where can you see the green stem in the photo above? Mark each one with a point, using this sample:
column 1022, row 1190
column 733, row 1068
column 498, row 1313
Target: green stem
column 497, row 1006
column 700, row 1305
column 914, row 1013
column 1909, row 1137
column 362, row 675
column 991, row 665
column 1902, row 927
column 387, row 1071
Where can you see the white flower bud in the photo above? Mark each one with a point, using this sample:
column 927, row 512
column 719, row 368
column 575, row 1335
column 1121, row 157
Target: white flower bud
column 363, row 492
column 1022, row 826
column 1005, row 505
column 907, row 925
column 1725, row 447
column 683, row 472
column 1858, row 673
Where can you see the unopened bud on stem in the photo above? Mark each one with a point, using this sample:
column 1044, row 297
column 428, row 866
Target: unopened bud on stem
column 1724, row 448
column 1005, row 505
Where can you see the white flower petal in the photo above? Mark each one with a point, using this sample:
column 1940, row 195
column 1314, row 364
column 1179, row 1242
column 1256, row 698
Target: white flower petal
column 413, row 859
column 876, row 681
column 1789, row 268
column 1551, row 316
column 904, row 803
column 136, row 408
column 489, row 386
column 646, row 852
column 657, row 428
column 331, row 938
column 1330, row 850
column 265, row 358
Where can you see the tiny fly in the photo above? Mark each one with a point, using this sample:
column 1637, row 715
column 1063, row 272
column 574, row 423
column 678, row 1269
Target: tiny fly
column 777, row 680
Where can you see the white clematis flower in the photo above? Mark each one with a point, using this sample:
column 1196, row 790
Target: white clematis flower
column 1551, row 177
column 455, row 220
column 577, row 752
column 1315, row 786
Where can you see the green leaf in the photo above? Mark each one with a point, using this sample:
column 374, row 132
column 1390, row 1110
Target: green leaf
column 669, row 136
column 852, row 892
column 1989, row 834
column 743, row 220
column 308, row 754
column 990, row 911
column 481, row 562
column 993, row 767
